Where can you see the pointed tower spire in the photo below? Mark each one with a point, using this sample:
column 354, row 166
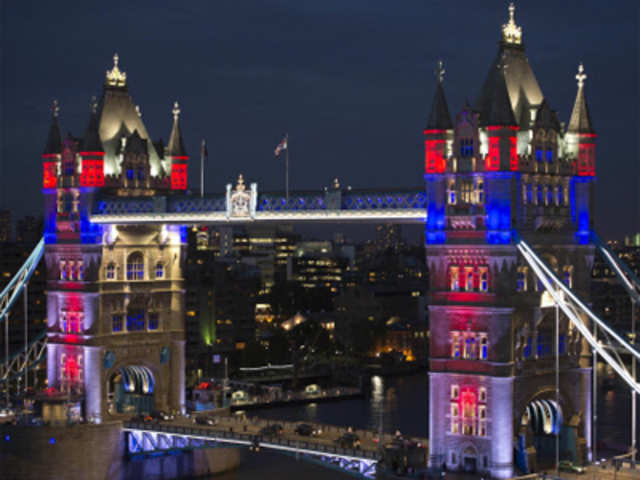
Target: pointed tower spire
column 581, row 137
column 439, row 128
column 580, row 121
column 91, row 141
column 175, row 147
column 177, row 153
column 114, row 77
column 54, row 139
column 92, row 151
column 439, row 118
column 497, row 110
column 512, row 33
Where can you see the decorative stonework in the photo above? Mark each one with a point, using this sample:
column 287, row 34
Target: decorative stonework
column 240, row 202
column 512, row 33
column 116, row 78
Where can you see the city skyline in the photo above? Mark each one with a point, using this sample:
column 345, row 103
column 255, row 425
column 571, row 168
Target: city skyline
column 331, row 93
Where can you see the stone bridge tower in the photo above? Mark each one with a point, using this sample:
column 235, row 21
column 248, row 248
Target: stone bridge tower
column 506, row 165
column 115, row 293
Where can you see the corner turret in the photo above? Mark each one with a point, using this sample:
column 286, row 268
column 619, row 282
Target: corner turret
column 92, row 152
column 439, row 128
column 177, row 153
column 580, row 133
column 52, row 151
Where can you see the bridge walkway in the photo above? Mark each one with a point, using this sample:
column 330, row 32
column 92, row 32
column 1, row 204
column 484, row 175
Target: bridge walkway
column 149, row 437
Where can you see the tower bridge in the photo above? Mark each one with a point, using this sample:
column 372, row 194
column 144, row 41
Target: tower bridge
column 507, row 209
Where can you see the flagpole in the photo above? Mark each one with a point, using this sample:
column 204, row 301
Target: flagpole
column 286, row 169
column 202, row 148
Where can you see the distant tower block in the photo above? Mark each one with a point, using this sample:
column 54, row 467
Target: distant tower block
column 504, row 165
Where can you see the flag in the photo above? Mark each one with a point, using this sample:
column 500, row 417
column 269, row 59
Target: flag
column 281, row 146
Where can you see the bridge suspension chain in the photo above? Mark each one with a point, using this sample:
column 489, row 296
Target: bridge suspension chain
column 627, row 277
column 573, row 308
column 10, row 293
column 34, row 352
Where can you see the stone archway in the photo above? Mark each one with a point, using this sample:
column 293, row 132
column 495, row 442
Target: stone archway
column 469, row 459
column 130, row 390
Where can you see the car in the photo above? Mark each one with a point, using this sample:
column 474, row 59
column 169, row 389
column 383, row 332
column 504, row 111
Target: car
column 348, row 440
column 203, row 420
column 306, row 430
column 272, row 430
column 568, row 466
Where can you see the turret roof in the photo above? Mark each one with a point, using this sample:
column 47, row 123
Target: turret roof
column 54, row 139
column 546, row 118
column 135, row 144
column 91, row 141
column 512, row 65
column 175, row 148
column 580, row 121
column 495, row 108
column 439, row 117
column 117, row 113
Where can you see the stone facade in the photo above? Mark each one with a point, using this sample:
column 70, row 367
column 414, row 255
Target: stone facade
column 506, row 169
column 115, row 293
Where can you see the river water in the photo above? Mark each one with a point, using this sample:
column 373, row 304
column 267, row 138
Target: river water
column 400, row 403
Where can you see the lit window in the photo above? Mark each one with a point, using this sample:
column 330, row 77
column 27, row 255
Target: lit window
column 455, row 345
column 135, row 320
column 466, row 147
column 482, row 412
column 484, row 348
column 540, row 196
column 468, row 276
column 522, row 279
column 560, row 196
column 73, row 271
column 135, row 266
column 63, row 270
column 482, row 394
column 116, row 323
column 130, row 174
column 469, row 351
column 154, row 321
column 111, row 271
column 549, row 155
column 454, row 392
column 80, row 270
column 538, row 154
column 529, row 188
column 480, row 191
column 567, row 273
column 484, row 279
column 454, row 282
column 159, row 270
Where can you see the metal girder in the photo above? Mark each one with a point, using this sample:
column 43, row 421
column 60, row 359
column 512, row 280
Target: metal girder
column 11, row 292
column 25, row 360
column 146, row 439
column 575, row 309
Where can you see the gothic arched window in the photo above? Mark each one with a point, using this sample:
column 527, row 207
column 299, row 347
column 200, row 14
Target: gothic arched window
column 135, row 266
column 110, row 272
column 159, row 270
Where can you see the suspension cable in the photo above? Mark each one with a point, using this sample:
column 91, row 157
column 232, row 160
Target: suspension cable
column 523, row 245
column 536, row 265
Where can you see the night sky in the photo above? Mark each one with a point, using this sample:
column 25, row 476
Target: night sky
column 350, row 80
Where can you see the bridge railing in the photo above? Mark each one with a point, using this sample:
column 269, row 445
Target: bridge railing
column 234, row 436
